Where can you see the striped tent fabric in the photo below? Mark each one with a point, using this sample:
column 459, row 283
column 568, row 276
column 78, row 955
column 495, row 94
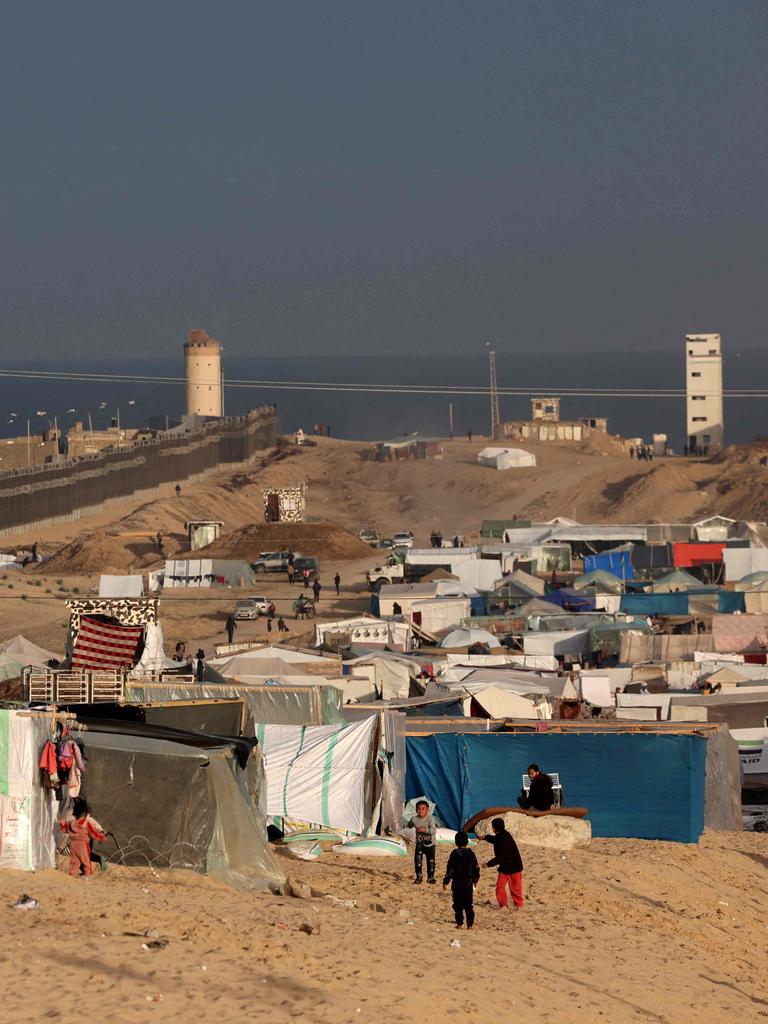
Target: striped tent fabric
column 105, row 646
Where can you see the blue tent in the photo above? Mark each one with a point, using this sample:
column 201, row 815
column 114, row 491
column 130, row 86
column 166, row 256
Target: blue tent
column 655, row 604
column 617, row 560
column 636, row 785
column 573, row 600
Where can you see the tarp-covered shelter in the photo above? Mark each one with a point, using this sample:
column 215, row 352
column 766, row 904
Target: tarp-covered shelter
column 27, row 810
column 324, row 775
column 617, row 561
column 283, row 705
column 636, row 785
column 676, row 580
column 208, row 572
column 467, row 637
column 599, row 581
column 506, row 458
column 178, row 799
column 689, row 555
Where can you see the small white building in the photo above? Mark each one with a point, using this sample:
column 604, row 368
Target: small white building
column 506, row 458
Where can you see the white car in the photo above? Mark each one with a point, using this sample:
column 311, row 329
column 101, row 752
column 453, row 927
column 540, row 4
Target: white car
column 403, row 539
column 251, row 608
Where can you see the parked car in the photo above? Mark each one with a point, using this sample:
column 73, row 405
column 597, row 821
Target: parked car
column 300, row 564
column 386, row 543
column 271, row 561
column 402, row 539
column 369, row 537
column 251, row 607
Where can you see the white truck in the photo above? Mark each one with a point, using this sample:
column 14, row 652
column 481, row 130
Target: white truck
column 393, row 571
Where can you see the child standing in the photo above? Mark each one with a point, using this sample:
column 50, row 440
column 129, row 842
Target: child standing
column 506, row 857
column 426, row 833
column 81, row 828
column 463, row 872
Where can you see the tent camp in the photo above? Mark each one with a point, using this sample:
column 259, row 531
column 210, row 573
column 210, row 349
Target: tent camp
column 467, row 637
column 599, row 581
column 506, row 458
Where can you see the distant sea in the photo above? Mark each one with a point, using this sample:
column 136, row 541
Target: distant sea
column 381, row 416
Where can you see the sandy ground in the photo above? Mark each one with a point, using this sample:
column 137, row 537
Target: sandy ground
column 622, row 931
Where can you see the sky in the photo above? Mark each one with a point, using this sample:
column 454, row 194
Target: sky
column 356, row 178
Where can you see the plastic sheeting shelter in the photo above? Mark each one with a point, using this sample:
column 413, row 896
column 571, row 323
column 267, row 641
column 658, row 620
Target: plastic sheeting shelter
column 25, row 652
column 689, row 555
column 176, row 802
column 323, row 774
column 599, row 580
column 636, row 785
column 281, row 705
column 675, row 580
column 27, row 811
column 617, row 561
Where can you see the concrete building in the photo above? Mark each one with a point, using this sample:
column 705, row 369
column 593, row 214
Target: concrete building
column 703, row 392
column 202, row 359
column 82, row 441
column 28, row 450
column 545, row 424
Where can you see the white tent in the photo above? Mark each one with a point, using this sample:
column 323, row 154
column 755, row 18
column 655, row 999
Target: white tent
column 26, row 653
column 323, row 774
column 500, row 703
column 506, row 458
column 121, row 586
column 467, row 637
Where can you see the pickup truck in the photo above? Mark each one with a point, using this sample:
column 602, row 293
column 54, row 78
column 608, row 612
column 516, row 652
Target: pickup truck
column 394, row 571
column 271, row 561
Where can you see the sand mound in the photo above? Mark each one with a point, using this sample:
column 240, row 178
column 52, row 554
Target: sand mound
column 649, row 496
column 323, row 540
column 101, row 552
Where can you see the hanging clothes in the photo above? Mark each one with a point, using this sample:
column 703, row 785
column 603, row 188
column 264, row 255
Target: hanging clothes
column 49, row 764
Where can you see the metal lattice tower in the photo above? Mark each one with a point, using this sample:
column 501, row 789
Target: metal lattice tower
column 495, row 418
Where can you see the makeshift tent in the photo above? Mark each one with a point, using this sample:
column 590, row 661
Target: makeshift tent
column 652, row 556
column 606, row 638
column 636, row 785
column 674, row 581
column 390, row 678
column 740, row 562
column 153, row 660
column 27, row 810
column 284, row 705
column 25, row 652
column 208, row 572
column 654, row 604
column 600, row 581
column 324, row 775
column 753, row 581
column 617, row 561
column 121, row 586
column 688, row 555
column 506, row 458
column 739, row 633
column 559, row 642
column 494, row 702
column 177, row 799
column 467, row 637
column 571, row 599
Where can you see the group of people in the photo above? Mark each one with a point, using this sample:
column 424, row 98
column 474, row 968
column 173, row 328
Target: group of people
column 643, row 452
column 462, row 873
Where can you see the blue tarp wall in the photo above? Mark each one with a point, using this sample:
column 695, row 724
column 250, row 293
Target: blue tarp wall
column 567, row 597
column 655, row 604
column 635, row 785
column 619, row 562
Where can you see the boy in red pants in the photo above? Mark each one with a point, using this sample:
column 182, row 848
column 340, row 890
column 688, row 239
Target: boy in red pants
column 81, row 829
column 506, row 857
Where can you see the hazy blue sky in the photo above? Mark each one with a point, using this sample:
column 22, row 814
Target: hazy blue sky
column 325, row 177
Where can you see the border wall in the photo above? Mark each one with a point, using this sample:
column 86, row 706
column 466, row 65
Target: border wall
column 32, row 498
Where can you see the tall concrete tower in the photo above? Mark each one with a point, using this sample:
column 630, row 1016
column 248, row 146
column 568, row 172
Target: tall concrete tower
column 202, row 364
column 703, row 392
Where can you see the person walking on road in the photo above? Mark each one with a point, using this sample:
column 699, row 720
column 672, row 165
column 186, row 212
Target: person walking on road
column 337, row 583
column 230, row 627
column 316, row 588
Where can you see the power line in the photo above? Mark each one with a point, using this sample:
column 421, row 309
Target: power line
column 383, row 388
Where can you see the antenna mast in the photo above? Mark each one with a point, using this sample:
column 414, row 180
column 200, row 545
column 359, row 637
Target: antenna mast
column 495, row 418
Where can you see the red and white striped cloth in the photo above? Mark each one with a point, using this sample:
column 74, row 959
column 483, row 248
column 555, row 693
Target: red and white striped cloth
column 100, row 645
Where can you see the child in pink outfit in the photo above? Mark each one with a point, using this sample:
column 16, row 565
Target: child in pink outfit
column 81, row 829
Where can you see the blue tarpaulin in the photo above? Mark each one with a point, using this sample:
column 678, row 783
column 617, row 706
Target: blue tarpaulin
column 635, row 785
column 730, row 601
column 675, row 603
column 618, row 561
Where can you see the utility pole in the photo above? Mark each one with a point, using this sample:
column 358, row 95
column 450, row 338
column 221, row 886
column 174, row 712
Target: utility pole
column 495, row 418
column 450, row 419
column 29, row 446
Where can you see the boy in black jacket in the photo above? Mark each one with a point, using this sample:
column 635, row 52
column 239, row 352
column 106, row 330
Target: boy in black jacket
column 463, row 872
column 506, row 857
